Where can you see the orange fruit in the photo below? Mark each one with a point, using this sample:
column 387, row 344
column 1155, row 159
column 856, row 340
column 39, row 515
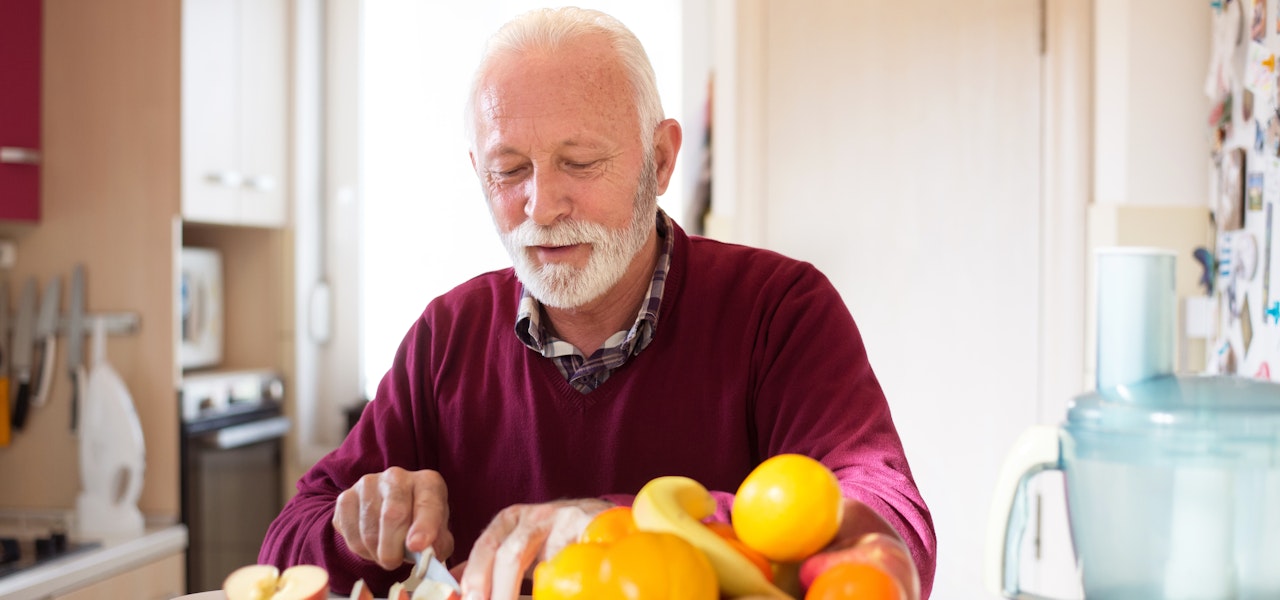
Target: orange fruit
column 649, row 565
column 850, row 581
column 609, row 526
column 725, row 531
column 788, row 507
column 572, row 574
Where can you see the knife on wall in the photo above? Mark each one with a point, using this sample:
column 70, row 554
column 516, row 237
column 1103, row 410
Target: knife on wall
column 75, row 339
column 23, row 334
column 5, row 398
column 46, row 342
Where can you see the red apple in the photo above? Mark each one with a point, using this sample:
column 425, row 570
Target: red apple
column 360, row 591
column 300, row 582
column 875, row 549
column 435, row 590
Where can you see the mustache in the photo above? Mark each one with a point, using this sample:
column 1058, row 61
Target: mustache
column 563, row 233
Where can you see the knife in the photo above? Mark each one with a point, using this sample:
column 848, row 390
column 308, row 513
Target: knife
column 75, row 339
column 46, row 341
column 4, row 363
column 23, row 332
column 426, row 567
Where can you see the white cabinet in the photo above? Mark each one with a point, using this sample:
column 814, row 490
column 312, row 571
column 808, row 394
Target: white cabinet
column 234, row 119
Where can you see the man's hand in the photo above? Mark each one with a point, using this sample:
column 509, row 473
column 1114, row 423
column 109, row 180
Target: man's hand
column 518, row 538
column 384, row 512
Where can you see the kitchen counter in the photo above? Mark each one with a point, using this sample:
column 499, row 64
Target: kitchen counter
column 91, row 566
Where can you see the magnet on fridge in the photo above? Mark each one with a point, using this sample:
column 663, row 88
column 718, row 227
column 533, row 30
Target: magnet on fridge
column 1258, row 31
column 1246, row 325
column 1245, row 254
column 1273, row 311
column 1229, row 209
column 1207, row 268
column 1254, row 186
column 1264, row 372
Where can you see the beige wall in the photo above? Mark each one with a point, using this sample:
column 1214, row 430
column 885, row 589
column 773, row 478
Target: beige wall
column 110, row 193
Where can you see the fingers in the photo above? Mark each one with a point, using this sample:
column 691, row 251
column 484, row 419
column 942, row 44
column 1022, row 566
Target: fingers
column 518, row 538
column 376, row 515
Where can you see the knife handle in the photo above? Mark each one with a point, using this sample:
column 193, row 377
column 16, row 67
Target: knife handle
column 4, row 411
column 21, row 405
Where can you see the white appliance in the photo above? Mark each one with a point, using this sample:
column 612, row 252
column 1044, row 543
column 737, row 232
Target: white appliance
column 201, row 304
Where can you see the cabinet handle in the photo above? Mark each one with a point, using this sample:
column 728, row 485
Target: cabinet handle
column 19, row 156
column 226, row 178
column 261, row 183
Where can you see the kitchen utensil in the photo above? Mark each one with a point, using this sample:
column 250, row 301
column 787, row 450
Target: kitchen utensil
column 111, row 452
column 23, row 336
column 75, row 340
column 426, row 567
column 46, row 341
column 4, row 364
column 1173, row 487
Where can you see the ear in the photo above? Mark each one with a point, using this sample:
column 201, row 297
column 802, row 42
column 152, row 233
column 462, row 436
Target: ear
column 666, row 145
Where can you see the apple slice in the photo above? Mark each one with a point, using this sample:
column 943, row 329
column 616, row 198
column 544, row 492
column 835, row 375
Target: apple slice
column 360, row 591
column 398, row 592
column 435, row 590
column 266, row 582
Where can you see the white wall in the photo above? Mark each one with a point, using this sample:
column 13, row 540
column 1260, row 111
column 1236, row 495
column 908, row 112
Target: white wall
column 1151, row 127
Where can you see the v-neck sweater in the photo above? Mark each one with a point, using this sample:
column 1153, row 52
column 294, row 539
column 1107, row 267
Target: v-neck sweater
column 755, row 355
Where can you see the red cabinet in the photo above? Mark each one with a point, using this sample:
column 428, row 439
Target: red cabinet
column 20, row 22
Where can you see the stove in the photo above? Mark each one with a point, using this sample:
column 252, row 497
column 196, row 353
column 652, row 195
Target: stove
column 32, row 538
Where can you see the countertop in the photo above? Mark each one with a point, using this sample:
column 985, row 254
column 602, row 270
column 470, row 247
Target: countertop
column 85, row 568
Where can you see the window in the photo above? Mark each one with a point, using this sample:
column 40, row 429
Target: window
column 425, row 226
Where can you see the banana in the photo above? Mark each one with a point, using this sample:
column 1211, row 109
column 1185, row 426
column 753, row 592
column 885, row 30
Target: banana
column 677, row 505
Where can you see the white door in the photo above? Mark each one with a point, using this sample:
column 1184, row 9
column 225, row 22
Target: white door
column 898, row 148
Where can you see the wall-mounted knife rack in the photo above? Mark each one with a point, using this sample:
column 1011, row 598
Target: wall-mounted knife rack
column 115, row 323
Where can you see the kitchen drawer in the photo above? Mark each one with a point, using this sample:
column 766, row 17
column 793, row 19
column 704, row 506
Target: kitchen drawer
column 159, row 580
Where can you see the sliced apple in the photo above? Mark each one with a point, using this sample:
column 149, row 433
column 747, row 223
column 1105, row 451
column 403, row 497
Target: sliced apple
column 360, row 591
column 266, row 582
column 435, row 590
column 398, row 592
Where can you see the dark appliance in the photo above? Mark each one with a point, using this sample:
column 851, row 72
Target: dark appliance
column 32, row 538
column 232, row 437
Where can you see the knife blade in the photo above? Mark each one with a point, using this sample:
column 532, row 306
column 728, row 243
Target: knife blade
column 46, row 341
column 4, row 363
column 426, row 567
column 23, row 334
column 75, row 339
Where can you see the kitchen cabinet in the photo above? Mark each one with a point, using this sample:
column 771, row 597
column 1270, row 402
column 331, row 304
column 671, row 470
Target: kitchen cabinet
column 20, row 110
column 159, row 580
column 234, row 94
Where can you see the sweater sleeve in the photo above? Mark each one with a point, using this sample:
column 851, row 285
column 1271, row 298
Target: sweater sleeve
column 816, row 394
column 388, row 433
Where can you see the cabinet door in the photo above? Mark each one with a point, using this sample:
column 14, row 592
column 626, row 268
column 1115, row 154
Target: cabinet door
column 234, row 111
column 211, row 175
column 160, row 580
column 20, row 109
column 264, row 112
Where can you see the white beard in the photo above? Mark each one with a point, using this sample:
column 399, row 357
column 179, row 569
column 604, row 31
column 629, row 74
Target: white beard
column 567, row 286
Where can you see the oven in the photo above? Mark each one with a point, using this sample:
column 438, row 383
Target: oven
column 233, row 430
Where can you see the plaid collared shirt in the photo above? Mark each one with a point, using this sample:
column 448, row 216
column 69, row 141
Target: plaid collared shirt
column 587, row 373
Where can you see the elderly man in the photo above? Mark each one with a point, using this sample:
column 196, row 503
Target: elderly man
column 618, row 349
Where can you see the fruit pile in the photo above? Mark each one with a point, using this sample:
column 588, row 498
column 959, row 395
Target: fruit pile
column 785, row 511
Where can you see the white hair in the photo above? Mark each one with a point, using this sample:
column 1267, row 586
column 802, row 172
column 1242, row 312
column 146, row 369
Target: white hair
column 547, row 30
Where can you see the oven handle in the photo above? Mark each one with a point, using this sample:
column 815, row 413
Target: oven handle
column 252, row 432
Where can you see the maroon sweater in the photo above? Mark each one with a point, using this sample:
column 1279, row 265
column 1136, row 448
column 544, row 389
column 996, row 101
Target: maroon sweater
column 754, row 355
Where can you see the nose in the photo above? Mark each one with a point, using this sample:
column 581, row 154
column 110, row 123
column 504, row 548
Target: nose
column 548, row 199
